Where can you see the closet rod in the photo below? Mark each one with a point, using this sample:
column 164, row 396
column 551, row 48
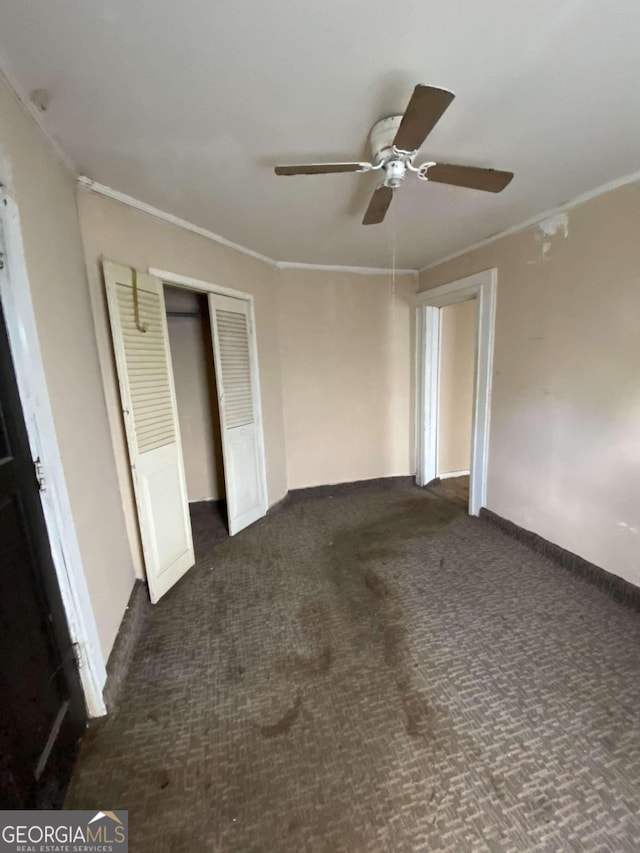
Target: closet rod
column 184, row 314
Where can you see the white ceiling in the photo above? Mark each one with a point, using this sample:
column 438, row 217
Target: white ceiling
column 188, row 106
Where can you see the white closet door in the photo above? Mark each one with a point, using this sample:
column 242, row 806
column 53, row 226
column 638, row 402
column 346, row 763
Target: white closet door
column 239, row 404
column 143, row 361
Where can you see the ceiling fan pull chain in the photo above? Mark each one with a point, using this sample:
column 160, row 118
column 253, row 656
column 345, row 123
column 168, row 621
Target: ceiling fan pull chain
column 394, row 233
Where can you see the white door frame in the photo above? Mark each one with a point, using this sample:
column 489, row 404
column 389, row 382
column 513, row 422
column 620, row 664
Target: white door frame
column 38, row 416
column 483, row 287
column 190, row 283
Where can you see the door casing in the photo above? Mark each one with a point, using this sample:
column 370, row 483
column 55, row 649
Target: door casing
column 428, row 304
column 41, row 431
column 43, row 660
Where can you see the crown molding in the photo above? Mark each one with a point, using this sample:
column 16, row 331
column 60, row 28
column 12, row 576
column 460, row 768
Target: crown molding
column 633, row 178
column 102, row 189
column 288, row 265
column 143, row 207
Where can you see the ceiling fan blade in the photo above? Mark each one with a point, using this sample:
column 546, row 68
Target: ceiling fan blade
column 378, row 206
column 423, row 112
column 320, row 168
column 490, row 180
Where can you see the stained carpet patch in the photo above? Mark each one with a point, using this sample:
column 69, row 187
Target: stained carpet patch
column 374, row 672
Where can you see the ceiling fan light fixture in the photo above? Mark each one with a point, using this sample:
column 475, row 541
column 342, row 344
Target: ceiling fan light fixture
column 394, row 170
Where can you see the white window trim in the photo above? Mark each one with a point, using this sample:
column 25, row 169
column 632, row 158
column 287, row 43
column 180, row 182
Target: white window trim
column 38, row 416
column 483, row 287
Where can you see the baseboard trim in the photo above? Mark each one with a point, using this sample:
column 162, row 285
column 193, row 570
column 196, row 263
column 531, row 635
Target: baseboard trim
column 616, row 587
column 453, row 474
column 207, row 502
column 126, row 641
column 340, row 489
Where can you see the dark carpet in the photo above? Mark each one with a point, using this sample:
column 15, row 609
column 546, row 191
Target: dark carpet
column 454, row 489
column 373, row 670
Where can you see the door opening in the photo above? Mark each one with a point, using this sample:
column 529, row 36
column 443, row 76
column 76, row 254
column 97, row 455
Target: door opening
column 480, row 287
column 192, row 360
column 455, row 398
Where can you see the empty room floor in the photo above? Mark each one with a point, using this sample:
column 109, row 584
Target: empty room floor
column 370, row 669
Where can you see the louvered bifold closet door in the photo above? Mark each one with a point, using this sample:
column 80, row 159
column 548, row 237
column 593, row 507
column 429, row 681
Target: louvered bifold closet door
column 147, row 393
column 235, row 357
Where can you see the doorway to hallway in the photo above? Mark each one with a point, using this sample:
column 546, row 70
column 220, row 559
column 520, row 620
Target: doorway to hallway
column 480, row 287
column 455, row 397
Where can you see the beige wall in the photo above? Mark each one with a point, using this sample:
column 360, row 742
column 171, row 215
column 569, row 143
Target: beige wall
column 194, row 374
column 45, row 193
column 564, row 455
column 457, row 363
column 346, row 344
column 128, row 236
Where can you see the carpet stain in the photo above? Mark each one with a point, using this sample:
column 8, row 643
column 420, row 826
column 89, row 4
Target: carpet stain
column 284, row 725
column 317, row 664
column 369, row 671
column 374, row 554
column 313, row 620
column 419, row 717
column 357, row 559
column 377, row 585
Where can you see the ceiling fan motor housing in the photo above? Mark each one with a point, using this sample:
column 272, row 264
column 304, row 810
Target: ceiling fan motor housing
column 382, row 135
column 395, row 163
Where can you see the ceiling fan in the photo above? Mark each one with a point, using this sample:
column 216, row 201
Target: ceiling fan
column 395, row 142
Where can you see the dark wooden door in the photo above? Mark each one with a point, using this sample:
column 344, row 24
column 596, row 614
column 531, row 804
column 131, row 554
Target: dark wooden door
column 42, row 710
